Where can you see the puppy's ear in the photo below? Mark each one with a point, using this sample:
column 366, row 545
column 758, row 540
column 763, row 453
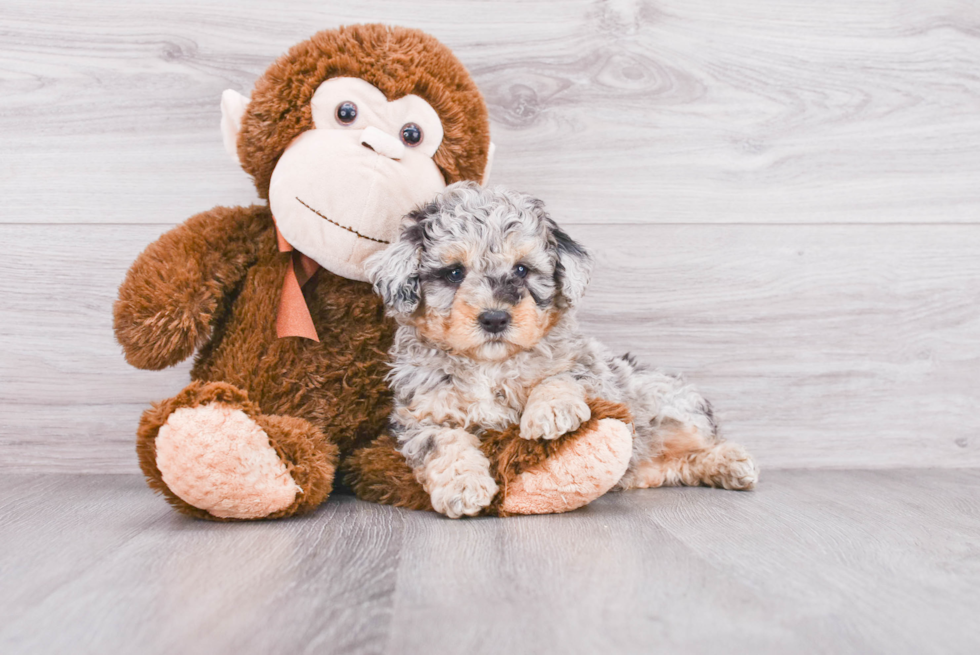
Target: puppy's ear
column 574, row 268
column 394, row 271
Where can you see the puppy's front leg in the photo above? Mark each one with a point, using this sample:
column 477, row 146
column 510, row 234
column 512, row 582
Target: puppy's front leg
column 451, row 468
column 555, row 407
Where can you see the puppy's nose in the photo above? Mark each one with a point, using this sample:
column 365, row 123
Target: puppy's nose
column 494, row 321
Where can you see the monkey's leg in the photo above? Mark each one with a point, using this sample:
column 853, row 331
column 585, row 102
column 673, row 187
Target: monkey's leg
column 535, row 477
column 689, row 456
column 588, row 463
column 213, row 455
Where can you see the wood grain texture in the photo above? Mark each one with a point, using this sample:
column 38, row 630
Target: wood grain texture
column 773, row 111
column 783, row 194
column 851, row 346
column 206, row 589
column 812, row 562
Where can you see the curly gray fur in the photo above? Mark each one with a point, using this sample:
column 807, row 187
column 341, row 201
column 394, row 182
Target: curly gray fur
column 476, row 250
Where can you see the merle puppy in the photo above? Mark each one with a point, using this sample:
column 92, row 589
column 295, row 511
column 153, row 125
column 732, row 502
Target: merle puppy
column 483, row 285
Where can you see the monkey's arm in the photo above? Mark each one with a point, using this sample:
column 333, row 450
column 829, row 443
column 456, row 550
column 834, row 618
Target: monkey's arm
column 173, row 289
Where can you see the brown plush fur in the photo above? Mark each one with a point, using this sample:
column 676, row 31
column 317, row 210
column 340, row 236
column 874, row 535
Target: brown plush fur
column 212, row 284
column 398, row 61
column 182, row 290
column 380, row 474
column 174, row 290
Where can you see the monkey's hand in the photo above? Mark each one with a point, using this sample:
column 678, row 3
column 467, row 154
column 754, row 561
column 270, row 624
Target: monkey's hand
column 173, row 289
column 555, row 407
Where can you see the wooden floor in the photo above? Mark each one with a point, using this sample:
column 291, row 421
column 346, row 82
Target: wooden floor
column 812, row 562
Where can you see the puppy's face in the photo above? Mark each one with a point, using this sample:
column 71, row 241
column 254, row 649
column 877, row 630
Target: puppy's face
column 483, row 273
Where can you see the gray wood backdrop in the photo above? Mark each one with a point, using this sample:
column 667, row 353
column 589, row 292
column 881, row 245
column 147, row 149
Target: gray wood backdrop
column 784, row 196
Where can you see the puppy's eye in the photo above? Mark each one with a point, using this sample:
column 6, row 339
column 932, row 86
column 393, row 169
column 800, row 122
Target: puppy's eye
column 520, row 271
column 411, row 134
column 346, row 112
column 456, row 275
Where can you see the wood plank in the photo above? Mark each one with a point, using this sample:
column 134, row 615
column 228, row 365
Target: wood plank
column 59, row 283
column 811, row 562
column 601, row 580
column 795, row 567
column 122, row 571
column 620, row 112
column 820, row 346
column 850, row 544
column 824, row 346
column 55, row 527
column 71, row 437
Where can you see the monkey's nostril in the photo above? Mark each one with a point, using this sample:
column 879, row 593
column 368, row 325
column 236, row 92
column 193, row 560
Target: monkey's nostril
column 382, row 143
column 494, row 321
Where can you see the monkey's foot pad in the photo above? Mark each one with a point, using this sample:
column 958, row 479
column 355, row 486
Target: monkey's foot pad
column 583, row 470
column 216, row 458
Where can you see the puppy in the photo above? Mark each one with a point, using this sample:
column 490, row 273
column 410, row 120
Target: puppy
column 483, row 285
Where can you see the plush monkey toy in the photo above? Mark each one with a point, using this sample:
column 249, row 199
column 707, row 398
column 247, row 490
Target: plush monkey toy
column 343, row 135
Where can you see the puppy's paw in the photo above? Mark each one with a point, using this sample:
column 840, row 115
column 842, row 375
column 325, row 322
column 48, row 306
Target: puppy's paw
column 731, row 467
column 464, row 494
column 456, row 474
column 551, row 418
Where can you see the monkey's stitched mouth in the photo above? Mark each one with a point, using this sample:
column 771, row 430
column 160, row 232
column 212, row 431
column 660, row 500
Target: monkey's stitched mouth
column 343, row 227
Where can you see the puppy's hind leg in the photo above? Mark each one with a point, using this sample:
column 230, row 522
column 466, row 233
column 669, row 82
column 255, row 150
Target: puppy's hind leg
column 676, row 439
column 689, row 457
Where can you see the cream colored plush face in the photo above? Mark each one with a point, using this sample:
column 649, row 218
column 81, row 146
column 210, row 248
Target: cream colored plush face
column 339, row 190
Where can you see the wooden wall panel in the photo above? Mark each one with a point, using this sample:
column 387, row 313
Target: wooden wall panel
column 784, row 196
column 824, row 346
column 774, row 111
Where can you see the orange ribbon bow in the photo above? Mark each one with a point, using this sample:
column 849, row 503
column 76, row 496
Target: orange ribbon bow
column 294, row 319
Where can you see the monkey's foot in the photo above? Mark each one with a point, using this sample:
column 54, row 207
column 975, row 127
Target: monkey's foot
column 213, row 455
column 534, row 476
column 588, row 465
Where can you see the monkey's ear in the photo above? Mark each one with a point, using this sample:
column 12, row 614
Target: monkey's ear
column 574, row 269
column 486, row 169
column 233, row 106
column 394, row 271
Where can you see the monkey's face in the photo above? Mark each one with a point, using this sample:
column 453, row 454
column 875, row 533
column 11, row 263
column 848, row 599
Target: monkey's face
column 482, row 273
column 340, row 189
column 350, row 130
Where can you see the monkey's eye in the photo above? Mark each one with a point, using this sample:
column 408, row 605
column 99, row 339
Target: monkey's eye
column 411, row 134
column 456, row 274
column 346, row 113
column 520, row 271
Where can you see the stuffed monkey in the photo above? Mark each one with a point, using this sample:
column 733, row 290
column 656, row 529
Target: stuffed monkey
column 343, row 135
